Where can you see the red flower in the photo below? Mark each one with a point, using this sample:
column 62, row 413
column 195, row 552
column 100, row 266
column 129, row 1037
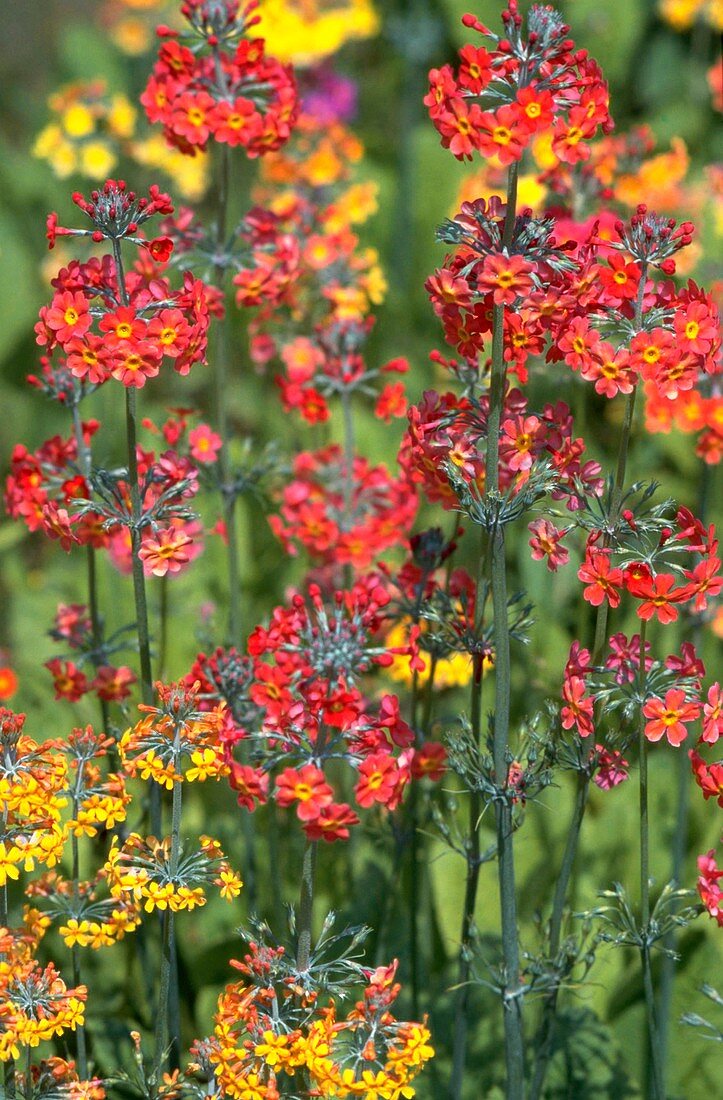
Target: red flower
column 307, row 787
column 713, row 715
column 545, row 543
column 507, row 276
column 378, row 776
column 602, row 581
column 669, row 717
column 333, row 822
column 578, row 709
column 658, row 595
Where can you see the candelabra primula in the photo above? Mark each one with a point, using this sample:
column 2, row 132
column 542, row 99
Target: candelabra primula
column 279, row 1031
column 222, row 87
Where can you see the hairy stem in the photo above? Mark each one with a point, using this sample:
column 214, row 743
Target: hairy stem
column 306, row 906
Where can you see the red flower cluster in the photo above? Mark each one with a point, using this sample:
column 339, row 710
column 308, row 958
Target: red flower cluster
column 223, row 87
column 445, row 447
column 343, row 515
column 305, row 666
column 528, row 83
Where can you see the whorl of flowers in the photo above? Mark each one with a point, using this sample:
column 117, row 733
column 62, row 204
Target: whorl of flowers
column 222, row 87
column 531, row 81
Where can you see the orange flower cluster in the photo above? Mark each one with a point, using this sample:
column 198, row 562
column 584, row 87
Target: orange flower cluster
column 32, row 786
column 271, row 1029
column 174, row 732
column 142, row 871
column 35, row 1003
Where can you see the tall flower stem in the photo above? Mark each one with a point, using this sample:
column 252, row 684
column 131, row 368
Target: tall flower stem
column 655, row 1062
column 680, row 835
column 139, row 580
column 164, row 1024
column 221, row 393
column 96, row 623
column 512, row 1004
column 9, row 1066
column 545, row 1035
column 461, row 1010
column 75, row 949
column 306, row 906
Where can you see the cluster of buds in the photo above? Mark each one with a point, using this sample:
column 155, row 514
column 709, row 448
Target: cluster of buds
column 222, row 86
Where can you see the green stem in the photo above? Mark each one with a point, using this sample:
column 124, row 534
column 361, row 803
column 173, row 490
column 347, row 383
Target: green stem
column 164, row 1026
column 461, row 1009
column 306, row 906
column 512, row 1003
column 163, row 627
column 80, row 1040
column 139, row 580
column 658, row 1077
column 9, row 1066
column 679, row 841
column 221, row 391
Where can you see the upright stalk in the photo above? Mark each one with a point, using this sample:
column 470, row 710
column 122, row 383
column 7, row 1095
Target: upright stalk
column 9, row 1066
column 545, row 1035
column 680, row 836
column 650, row 1008
column 96, row 625
column 75, row 950
column 461, row 1009
column 221, row 390
column 511, row 999
column 306, row 906
column 164, row 1025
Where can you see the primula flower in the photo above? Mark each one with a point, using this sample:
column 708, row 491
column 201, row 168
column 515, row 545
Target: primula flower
column 713, row 715
column 669, row 717
column 165, row 552
column 578, row 710
column 602, row 581
column 659, row 595
column 546, row 543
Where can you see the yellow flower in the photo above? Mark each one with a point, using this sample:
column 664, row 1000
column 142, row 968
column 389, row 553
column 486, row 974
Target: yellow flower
column 96, row 159
column 306, row 31
column 10, row 856
column 77, row 120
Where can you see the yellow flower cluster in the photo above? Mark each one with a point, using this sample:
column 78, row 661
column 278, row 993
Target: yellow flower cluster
column 176, row 732
column 84, row 137
column 32, row 783
column 35, row 1003
column 141, row 872
column 682, row 14
column 91, row 130
column 251, row 1071
column 304, row 32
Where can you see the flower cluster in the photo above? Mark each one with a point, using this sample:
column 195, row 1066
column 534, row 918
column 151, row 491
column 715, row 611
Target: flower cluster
column 306, row 664
column 499, row 100
column 106, row 323
column 176, row 741
column 147, row 873
column 35, row 1003
column 340, row 513
column 223, row 87
column 33, row 781
column 89, row 126
column 273, row 1029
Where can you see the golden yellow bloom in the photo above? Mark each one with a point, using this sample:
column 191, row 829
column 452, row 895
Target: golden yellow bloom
column 450, row 672
column 306, row 31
